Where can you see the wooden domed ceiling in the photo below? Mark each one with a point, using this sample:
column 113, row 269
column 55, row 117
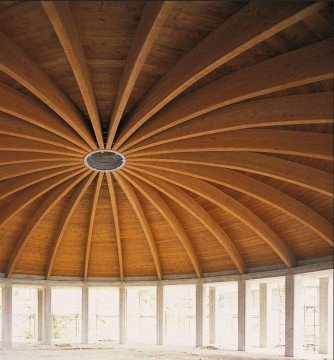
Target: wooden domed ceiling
column 222, row 111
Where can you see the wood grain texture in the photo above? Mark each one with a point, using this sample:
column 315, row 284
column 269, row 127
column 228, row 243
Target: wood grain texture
column 132, row 197
column 233, row 207
column 73, row 203
column 114, row 208
column 21, row 67
column 259, row 191
column 151, row 21
column 252, row 24
column 289, row 171
column 279, row 73
column 63, row 23
column 154, row 197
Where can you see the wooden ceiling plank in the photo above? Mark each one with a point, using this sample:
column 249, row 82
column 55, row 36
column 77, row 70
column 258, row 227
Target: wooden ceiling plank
column 7, row 158
column 258, row 190
column 35, row 112
column 15, row 170
column 33, row 193
column 152, row 19
column 10, row 125
column 70, row 208
column 114, row 209
column 298, row 143
column 158, row 202
column 188, row 203
column 53, row 198
column 251, row 25
column 231, row 206
column 15, row 62
column 13, row 143
column 133, row 199
column 303, row 66
column 91, row 222
column 61, row 18
column 9, row 187
column 313, row 108
column 270, row 166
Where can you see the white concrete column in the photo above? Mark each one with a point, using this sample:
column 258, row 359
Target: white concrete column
column 47, row 332
column 293, row 315
column 241, row 314
column 84, row 310
column 212, row 315
column 122, row 314
column 40, row 310
column 323, row 312
column 199, row 313
column 7, row 307
column 160, row 314
column 263, row 314
column 289, row 314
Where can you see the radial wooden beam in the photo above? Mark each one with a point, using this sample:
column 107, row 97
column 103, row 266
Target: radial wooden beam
column 33, row 111
column 188, row 203
column 91, row 222
column 13, row 143
column 32, row 193
column 70, row 208
column 10, row 125
column 313, row 108
column 152, row 19
column 306, row 65
column 270, row 166
column 258, row 190
column 60, row 15
column 10, row 186
column 15, row 170
column 133, row 199
column 231, row 206
column 114, row 209
column 7, row 158
column 53, row 198
column 299, row 143
column 159, row 203
column 253, row 24
column 16, row 63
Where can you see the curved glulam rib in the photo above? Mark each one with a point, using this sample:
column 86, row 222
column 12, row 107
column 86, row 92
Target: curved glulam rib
column 152, row 19
column 133, row 199
column 303, row 66
column 188, row 203
column 53, row 198
column 13, row 143
column 60, row 15
column 7, row 158
column 9, row 187
column 258, row 190
column 16, row 63
column 35, row 112
column 70, row 208
column 299, row 143
column 91, row 222
column 231, row 206
column 15, row 170
column 10, row 125
column 159, row 203
column 270, row 166
column 251, row 25
column 313, row 108
column 33, row 193
column 114, row 209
